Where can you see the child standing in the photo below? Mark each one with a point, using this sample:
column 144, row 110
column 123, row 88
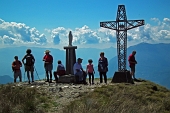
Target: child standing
column 90, row 71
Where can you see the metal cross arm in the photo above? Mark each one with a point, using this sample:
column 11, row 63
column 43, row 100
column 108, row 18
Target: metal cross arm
column 109, row 25
column 134, row 23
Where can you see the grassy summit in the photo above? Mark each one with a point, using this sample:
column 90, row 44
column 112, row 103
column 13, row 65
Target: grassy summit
column 145, row 97
column 140, row 97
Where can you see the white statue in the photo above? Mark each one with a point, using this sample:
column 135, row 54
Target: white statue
column 70, row 36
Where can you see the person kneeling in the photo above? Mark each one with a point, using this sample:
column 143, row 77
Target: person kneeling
column 60, row 71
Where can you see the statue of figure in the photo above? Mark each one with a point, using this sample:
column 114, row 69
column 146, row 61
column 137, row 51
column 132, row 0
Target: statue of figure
column 70, row 38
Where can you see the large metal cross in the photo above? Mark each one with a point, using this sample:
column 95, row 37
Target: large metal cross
column 121, row 25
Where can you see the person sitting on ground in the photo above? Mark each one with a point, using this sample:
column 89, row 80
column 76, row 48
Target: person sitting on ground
column 16, row 69
column 60, row 70
column 90, row 71
column 48, row 65
column 29, row 65
column 79, row 73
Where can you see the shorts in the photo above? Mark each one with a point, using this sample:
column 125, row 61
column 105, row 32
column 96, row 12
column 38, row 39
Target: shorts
column 29, row 68
column 48, row 67
column 17, row 74
column 132, row 68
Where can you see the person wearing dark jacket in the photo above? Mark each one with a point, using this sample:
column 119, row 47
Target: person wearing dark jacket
column 103, row 67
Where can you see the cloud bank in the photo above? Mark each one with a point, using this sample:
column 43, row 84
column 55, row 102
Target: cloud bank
column 19, row 33
column 12, row 33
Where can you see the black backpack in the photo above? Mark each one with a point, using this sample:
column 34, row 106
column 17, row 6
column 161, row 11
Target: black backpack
column 29, row 60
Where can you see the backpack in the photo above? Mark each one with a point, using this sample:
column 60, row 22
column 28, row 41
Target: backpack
column 29, row 60
column 13, row 68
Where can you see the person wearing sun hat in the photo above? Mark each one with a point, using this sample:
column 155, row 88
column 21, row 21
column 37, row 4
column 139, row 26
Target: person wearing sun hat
column 48, row 65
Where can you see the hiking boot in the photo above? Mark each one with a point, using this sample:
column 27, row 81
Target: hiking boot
column 50, row 81
column 85, row 83
column 33, row 81
column 132, row 82
column 47, row 81
column 135, row 79
column 29, row 82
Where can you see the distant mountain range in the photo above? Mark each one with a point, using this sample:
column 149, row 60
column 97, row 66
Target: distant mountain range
column 153, row 60
column 6, row 79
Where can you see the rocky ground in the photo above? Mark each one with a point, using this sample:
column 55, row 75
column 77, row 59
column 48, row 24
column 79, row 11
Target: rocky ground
column 62, row 93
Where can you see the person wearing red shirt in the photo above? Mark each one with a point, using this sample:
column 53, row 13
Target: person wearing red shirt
column 132, row 63
column 48, row 65
column 16, row 68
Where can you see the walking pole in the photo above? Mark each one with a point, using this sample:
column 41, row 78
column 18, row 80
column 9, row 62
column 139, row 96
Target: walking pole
column 24, row 73
column 24, row 76
column 36, row 73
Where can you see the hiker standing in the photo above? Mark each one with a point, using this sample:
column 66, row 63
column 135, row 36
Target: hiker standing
column 48, row 65
column 102, row 67
column 132, row 64
column 16, row 69
column 90, row 71
column 29, row 64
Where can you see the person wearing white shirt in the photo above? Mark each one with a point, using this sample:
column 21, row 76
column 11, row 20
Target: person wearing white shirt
column 78, row 70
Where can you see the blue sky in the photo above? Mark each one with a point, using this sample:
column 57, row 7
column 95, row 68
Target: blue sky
column 48, row 22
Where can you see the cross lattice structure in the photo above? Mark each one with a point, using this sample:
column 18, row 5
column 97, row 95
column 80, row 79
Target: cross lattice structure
column 121, row 25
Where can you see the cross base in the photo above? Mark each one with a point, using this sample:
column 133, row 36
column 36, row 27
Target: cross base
column 120, row 77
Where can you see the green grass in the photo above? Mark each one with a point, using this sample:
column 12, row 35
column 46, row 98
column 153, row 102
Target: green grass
column 23, row 100
column 123, row 98
column 141, row 97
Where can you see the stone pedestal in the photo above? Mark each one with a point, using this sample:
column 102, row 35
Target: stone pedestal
column 66, row 79
column 122, row 77
column 70, row 59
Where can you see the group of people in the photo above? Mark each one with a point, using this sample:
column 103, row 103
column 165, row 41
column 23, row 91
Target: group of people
column 79, row 73
column 29, row 66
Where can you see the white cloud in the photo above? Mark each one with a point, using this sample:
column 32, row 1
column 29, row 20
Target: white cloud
column 152, row 33
column 83, row 35
column 19, row 33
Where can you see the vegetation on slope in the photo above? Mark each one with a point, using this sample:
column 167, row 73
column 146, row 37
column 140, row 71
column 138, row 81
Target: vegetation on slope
column 140, row 97
column 124, row 98
column 23, row 100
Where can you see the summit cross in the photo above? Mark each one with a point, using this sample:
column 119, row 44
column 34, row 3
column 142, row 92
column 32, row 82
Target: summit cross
column 121, row 25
